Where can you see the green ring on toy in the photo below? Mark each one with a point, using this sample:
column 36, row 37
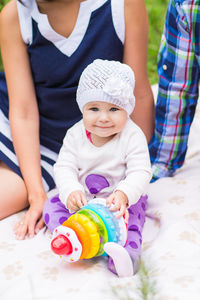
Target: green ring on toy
column 100, row 225
column 107, row 220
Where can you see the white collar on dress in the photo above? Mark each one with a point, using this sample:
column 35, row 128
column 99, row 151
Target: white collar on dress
column 66, row 45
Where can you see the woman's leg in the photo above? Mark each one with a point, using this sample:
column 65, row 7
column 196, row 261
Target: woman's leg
column 13, row 194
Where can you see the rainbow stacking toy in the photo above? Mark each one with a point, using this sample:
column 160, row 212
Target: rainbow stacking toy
column 83, row 234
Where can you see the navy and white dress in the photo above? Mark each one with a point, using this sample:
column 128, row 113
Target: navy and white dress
column 57, row 63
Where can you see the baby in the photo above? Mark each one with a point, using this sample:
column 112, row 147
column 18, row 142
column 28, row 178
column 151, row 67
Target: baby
column 105, row 155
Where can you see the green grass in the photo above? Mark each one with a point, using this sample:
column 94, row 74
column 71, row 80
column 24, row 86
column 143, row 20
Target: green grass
column 2, row 3
column 156, row 14
column 142, row 286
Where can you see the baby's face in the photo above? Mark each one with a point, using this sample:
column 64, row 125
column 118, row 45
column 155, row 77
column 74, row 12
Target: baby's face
column 104, row 119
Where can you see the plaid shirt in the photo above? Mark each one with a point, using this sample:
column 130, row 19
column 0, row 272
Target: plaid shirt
column 178, row 71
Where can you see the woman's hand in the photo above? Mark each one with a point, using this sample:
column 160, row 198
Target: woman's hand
column 119, row 201
column 32, row 222
column 76, row 200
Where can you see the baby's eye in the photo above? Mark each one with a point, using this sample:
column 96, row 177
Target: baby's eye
column 94, row 109
column 114, row 109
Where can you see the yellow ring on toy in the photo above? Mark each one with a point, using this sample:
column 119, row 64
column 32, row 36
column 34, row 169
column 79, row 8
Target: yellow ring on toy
column 92, row 230
column 82, row 235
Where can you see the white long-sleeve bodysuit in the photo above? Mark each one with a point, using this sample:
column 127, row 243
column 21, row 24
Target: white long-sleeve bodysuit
column 122, row 164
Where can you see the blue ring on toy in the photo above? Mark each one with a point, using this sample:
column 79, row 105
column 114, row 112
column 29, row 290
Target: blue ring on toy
column 107, row 218
column 102, row 203
column 112, row 215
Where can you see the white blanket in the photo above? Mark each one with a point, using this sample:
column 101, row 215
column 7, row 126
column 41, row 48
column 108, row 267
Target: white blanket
column 170, row 266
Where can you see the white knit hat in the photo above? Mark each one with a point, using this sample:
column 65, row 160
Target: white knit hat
column 107, row 81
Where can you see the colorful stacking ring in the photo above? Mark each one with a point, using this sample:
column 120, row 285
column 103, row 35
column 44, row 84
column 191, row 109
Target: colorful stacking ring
column 102, row 203
column 107, row 219
column 120, row 225
column 100, row 227
column 93, row 233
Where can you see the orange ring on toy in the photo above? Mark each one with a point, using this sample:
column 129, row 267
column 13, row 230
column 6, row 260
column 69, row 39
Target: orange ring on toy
column 92, row 230
column 82, row 235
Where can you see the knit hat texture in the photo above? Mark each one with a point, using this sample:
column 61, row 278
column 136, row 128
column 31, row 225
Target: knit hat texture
column 107, row 81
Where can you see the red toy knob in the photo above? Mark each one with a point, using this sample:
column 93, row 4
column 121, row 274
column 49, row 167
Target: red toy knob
column 61, row 245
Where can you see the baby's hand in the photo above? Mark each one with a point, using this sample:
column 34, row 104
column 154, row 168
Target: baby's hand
column 120, row 202
column 76, row 200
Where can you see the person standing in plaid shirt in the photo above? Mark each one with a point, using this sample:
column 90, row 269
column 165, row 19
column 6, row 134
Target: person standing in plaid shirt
column 178, row 71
